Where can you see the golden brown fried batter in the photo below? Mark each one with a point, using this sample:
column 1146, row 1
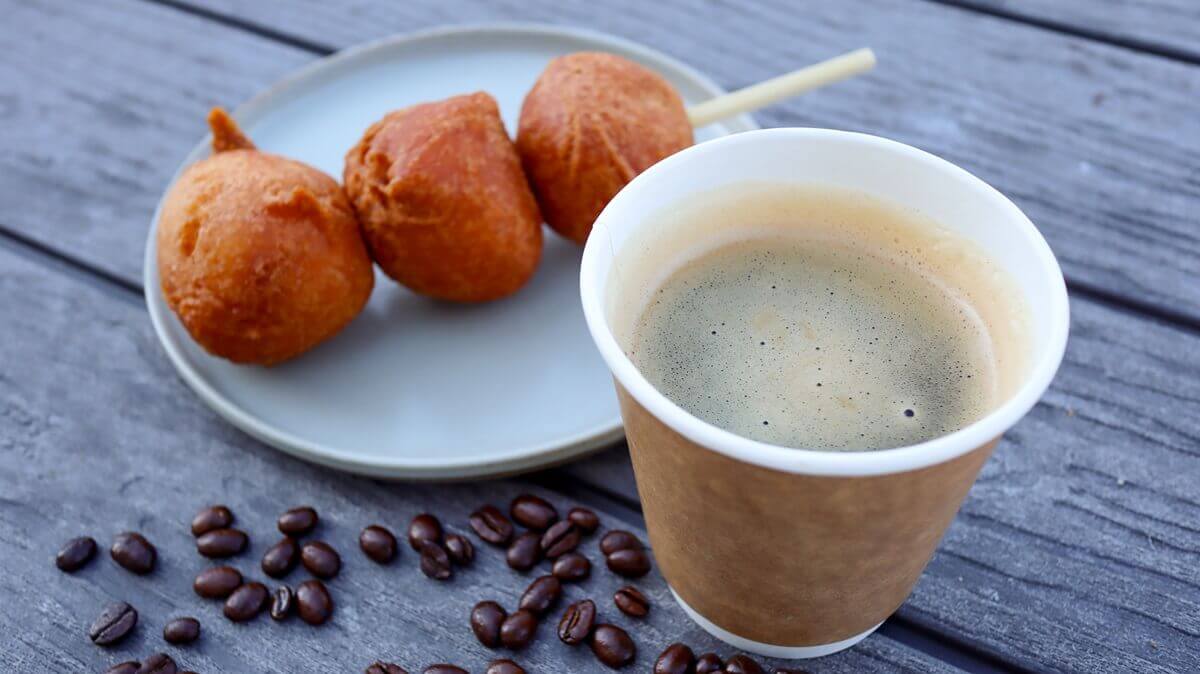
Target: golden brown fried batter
column 444, row 205
column 259, row 256
column 590, row 124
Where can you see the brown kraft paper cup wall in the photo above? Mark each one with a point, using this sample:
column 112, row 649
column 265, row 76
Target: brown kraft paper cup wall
column 785, row 558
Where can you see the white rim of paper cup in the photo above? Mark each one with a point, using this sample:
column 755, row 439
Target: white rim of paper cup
column 806, row 461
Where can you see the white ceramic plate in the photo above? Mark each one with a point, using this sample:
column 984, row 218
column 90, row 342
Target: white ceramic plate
column 414, row 388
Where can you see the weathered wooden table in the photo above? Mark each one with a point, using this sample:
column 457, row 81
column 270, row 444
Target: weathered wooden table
column 1078, row 549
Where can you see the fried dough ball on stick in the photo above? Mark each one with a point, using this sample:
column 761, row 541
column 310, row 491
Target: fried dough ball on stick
column 259, row 256
column 444, row 205
column 590, row 124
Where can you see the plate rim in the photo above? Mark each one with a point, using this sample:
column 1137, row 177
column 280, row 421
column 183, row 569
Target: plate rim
column 423, row 468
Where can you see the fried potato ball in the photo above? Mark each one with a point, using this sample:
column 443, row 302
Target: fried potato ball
column 259, row 256
column 444, row 205
column 590, row 124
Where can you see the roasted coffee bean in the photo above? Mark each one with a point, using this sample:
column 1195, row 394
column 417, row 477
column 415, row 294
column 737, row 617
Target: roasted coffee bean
column 279, row 559
column 320, row 559
column 709, row 663
column 378, row 544
column 504, row 667
column 632, row 602
column 313, row 603
column 435, row 563
column 246, row 602
column 561, row 538
column 218, row 582
column 444, row 669
column 576, row 623
column 533, row 512
column 424, row 527
column 159, row 663
column 75, row 553
column 133, row 552
column 181, row 631
column 743, row 664
column 789, row 670
column 572, row 567
column 584, row 519
column 612, row 646
column 221, row 543
column 525, row 551
column 282, row 602
column 380, row 667
column 113, row 624
column 619, row 540
column 541, row 595
column 518, row 629
column 129, row 667
column 676, row 659
column 630, row 562
column 486, row 619
column 210, row 519
column 491, row 525
column 459, row 549
column 298, row 521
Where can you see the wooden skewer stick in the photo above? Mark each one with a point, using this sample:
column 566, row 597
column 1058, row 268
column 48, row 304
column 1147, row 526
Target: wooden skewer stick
column 775, row 89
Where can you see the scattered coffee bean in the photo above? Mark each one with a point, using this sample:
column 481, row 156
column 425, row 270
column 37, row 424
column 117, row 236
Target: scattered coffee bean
column 572, row 567
column 789, row 670
column 676, row 659
column 210, row 519
column 541, row 595
column 320, row 559
column 221, row 543
column 298, row 521
column 282, row 602
column 113, row 624
column 576, row 623
column 181, row 631
column 378, row 544
column 424, row 527
column 584, row 519
column 380, row 667
column 75, row 553
column 525, row 551
column 444, row 669
column 533, row 512
column 435, row 563
column 518, row 629
column 159, row 663
column 279, row 559
column 129, row 667
column 246, row 602
column 632, row 602
column 709, row 663
column 460, row 550
column 486, row 619
column 630, row 562
column 612, row 646
column 504, row 667
column 313, row 603
column 743, row 664
column 218, row 582
column 133, row 552
column 561, row 538
column 491, row 525
column 619, row 540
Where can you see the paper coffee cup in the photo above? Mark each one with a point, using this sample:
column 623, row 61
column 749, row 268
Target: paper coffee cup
column 797, row 553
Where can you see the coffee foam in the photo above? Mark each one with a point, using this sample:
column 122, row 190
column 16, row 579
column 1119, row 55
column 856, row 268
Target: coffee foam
column 725, row 307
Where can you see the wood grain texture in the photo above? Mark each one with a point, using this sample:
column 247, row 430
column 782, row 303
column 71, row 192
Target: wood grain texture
column 1170, row 24
column 97, row 435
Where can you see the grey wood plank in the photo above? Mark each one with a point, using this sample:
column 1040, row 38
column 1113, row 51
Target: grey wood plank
column 1172, row 25
column 97, row 435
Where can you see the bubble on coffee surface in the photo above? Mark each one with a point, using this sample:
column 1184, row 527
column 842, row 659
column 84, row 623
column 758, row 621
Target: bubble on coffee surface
column 817, row 344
